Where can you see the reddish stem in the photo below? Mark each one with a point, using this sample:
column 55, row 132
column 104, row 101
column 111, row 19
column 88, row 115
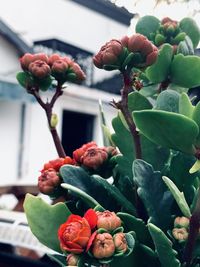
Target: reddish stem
column 123, row 106
column 48, row 107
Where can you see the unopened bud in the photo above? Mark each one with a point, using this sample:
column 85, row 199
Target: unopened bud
column 180, row 234
column 108, row 220
column 39, row 69
column 103, row 246
column 120, row 242
column 181, row 222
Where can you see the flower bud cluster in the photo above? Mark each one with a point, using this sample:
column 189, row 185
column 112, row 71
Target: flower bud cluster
column 97, row 234
column 134, row 51
column 41, row 66
column 181, row 228
column 168, row 32
column 89, row 156
column 49, row 179
column 93, row 157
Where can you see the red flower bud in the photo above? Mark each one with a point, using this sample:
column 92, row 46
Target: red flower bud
column 57, row 163
column 103, row 246
column 39, row 69
column 136, row 42
column 108, row 220
column 53, row 58
column 152, row 57
column 26, row 60
column 94, row 157
column 108, row 54
column 78, row 153
column 48, row 181
column 59, row 66
column 41, row 56
column 74, row 234
column 120, row 242
column 80, row 75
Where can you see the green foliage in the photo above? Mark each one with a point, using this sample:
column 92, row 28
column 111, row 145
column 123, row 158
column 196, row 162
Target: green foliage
column 185, row 106
column 59, row 259
column 179, row 197
column 168, row 100
column 44, row 220
column 152, row 191
column 146, row 25
column 165, row 252
column 131, row 223
column 190, row 27
column 168, row 129
column 185, row 71
column 98, row 188
column 179, row 174
column 24, row 79
column 158, row 72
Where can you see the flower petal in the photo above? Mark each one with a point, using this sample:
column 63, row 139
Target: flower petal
column 91, row 217
column 91, row 240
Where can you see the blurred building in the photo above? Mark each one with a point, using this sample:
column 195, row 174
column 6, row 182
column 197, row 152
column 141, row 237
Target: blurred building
column 76, row 28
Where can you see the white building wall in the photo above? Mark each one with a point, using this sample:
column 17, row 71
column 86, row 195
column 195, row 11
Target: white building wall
column 9, row 141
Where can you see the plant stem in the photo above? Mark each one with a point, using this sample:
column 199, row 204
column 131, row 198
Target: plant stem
column 123, row 106
column 48, row 107
column 193, row 232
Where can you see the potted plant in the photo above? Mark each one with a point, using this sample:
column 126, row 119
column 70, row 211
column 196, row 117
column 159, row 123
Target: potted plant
column 135, row 201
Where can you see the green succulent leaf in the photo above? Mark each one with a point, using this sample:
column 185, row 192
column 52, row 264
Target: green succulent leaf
column 136, row 101
column 147, row 25
column 168, row 129
column 168, row 100
column 185, row 71
column 185, row 106
column 158, row 72
column 24, row 79
column 37, row 211
column 196, row 118
column 179, row 174
column 131, row 223
column 179, row 196
column 45, row 83
column 190, row 27
column 152, row 191
column 105, row 194
column 165, row 252
column 149, row 90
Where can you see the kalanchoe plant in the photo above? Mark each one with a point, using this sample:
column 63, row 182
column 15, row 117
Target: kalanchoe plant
column 139, row 217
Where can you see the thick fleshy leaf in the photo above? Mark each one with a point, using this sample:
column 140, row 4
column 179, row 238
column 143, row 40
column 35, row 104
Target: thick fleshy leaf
column 45, row 83
column 168, row 129
column 185, row 106
column 147, row 25
column 24, row 79
column 185, row 71
column 165, row 252
column 59, row 259
column 195, row 167
column 152, row 190
column 149, row 90
column 136, row 101
column 131, row 223
column 168, row 100
column 189, row 26
column 196, row 118
column 95, row 186
column 179, row 196
column 44, row 220
column 155, row 155
column 179, row 174
column 158, row 72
